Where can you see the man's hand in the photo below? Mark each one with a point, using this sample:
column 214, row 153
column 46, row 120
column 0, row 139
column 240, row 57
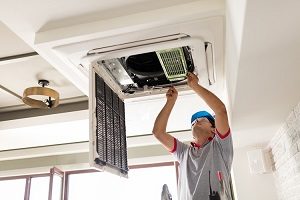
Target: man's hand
column 172, row 94
column 192, row 80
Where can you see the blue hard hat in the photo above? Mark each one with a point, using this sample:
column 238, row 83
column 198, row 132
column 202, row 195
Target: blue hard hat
column 201, row 114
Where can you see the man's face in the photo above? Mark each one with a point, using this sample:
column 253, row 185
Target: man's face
column 201, row 126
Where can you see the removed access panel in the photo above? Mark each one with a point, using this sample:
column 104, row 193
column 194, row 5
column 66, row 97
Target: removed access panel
column 108, row 149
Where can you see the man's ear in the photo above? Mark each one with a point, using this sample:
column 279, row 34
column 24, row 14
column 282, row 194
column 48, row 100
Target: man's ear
column 213, row 129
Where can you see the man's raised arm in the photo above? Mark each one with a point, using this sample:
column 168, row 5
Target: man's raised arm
column 160, row 124
column 213, row 102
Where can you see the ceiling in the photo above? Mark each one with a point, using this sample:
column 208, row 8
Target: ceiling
column 21, row 67
column 261, row 59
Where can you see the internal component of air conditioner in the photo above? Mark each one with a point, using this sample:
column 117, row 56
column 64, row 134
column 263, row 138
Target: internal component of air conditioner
column 152, row 69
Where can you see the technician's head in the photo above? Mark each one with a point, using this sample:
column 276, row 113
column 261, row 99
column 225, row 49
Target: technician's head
column 203, row 124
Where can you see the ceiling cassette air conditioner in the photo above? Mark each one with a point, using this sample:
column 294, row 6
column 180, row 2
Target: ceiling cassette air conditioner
column 143, row 61
column 149, row 66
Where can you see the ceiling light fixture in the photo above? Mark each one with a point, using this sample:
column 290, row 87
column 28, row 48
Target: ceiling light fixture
column 51, row 97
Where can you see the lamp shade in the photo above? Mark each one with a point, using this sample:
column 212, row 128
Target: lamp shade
column 42, row 91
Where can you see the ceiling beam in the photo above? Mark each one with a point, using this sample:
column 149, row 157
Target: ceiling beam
column 10, row 92
column 16, row 58
column 28, row 113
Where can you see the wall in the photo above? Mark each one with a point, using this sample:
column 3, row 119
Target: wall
column 251, row 186
column 285, row 149
column 70, row 157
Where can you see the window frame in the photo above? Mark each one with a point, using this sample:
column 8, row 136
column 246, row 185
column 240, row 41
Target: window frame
column 137, row 166
column 27, row 181
column 65, row 176
column 55, row 171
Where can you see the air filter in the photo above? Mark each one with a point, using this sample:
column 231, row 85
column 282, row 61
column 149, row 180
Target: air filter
column 173, row 63
column 110, row 129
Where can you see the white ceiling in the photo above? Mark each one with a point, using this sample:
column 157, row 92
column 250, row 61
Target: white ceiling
column 20, row 73
column 11, row 44
column 261, row 53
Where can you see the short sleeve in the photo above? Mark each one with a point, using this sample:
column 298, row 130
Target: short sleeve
column 179, row 149
column 226, row 146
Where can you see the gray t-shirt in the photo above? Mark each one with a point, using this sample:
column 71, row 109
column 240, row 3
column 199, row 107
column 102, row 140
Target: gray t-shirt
column 199, row 164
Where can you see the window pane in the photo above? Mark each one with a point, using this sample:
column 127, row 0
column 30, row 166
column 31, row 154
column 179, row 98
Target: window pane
column 39, row 188
column 12, row 189
column 56, row 188
column 144, row 183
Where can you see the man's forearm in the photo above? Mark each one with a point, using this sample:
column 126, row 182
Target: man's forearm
column 210, row 99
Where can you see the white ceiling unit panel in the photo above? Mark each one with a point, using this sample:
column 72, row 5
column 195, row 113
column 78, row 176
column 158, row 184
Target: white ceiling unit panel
column 147, row 62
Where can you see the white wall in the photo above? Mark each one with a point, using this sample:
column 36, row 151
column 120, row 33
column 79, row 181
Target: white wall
column 251, row 186
column 285, row 149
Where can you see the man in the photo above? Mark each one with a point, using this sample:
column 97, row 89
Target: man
column 205, row 164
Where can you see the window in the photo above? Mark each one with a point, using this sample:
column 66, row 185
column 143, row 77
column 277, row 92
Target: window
column 39, row 188
column 33, row 187
column 12, row 189
column 143, row 183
